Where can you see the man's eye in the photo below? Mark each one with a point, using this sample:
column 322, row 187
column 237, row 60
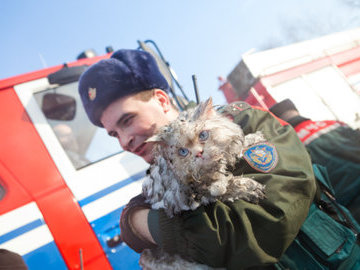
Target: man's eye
column 113, row 134
column 204, row 135
column 127, row 121
column 183, row 152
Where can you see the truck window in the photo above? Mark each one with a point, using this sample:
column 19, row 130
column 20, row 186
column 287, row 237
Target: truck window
column 83, row 142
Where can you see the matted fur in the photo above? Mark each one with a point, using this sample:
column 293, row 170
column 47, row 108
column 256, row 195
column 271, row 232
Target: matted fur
column 213, row 145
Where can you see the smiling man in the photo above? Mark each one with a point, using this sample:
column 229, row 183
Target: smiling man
column 132, row 120
column 128, row 96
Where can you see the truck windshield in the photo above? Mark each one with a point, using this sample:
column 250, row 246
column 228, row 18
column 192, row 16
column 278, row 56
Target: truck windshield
column 83, row 142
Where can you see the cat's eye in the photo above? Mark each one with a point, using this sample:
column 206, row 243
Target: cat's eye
column 183, row 152
column 204, row 135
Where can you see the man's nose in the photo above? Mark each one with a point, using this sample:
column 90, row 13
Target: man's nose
column 126, row 142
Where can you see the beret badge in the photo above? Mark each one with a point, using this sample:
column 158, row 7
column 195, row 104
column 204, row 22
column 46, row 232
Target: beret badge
column 92, row 93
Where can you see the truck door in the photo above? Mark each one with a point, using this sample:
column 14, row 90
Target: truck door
column 100, row 175
column 23, row 228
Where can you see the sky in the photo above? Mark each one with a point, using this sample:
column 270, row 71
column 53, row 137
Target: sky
column 206, row 38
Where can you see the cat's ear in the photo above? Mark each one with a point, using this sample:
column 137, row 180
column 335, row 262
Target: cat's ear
column 157, row 138
column 205, row 109
column 160, row 136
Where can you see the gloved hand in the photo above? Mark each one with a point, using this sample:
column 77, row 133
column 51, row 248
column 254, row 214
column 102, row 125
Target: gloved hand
column 128, row 235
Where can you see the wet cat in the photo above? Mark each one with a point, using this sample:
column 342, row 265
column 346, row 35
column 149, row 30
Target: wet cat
column 193, row 159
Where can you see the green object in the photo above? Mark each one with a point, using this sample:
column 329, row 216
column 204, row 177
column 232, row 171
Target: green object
column 239, row 234
column 339, row 151
column 328, row 238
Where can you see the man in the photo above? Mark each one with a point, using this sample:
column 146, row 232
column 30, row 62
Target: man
column 332, row 144
column 127, row 95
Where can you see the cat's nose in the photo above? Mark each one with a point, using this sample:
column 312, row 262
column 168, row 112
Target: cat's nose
column 199, row 154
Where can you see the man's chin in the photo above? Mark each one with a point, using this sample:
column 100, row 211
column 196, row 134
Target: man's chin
column 147, row 155
column 148, row 158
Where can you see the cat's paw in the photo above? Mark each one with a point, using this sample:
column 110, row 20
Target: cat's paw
column 217, row 189
column 257, row 194
column 254, row 138
column 249, row 189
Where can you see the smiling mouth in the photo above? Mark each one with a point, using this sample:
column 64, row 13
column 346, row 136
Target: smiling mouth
column 140, row 149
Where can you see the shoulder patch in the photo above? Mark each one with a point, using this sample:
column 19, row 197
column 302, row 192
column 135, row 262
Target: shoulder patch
column 262, row 157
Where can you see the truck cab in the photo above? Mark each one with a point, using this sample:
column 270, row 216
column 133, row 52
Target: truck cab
column 63, row 181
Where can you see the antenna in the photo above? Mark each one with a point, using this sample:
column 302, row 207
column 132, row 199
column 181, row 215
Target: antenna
column 196, row 89
column 42, row 59
column 81, row 259
column 166, row 70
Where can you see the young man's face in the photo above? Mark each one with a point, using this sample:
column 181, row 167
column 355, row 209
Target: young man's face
column 132, row 121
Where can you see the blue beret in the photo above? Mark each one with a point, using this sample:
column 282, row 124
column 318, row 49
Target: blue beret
column 126, row 72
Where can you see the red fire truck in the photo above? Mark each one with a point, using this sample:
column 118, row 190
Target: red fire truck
column 321, row 76
column 63, row 181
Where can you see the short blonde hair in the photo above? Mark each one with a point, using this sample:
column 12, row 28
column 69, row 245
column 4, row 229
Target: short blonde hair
column 146, row 95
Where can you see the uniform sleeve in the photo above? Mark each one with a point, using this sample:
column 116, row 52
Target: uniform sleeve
column 239, row 234
column 339, row 151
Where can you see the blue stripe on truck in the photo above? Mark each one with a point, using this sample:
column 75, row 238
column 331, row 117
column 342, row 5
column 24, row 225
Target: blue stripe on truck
column 21, row 230
column 108, row 190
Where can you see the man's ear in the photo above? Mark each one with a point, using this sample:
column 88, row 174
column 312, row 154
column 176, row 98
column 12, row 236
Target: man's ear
column 163, row 99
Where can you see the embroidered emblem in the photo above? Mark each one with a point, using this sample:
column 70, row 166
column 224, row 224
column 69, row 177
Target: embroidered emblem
column 262, row 157
column 92, row 93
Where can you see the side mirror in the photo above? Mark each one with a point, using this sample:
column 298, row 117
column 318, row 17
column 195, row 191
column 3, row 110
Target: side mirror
column 66, row 74
column 58, row 107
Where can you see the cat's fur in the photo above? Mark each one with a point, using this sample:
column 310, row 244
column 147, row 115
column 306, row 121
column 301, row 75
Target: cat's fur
column 193, row 159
